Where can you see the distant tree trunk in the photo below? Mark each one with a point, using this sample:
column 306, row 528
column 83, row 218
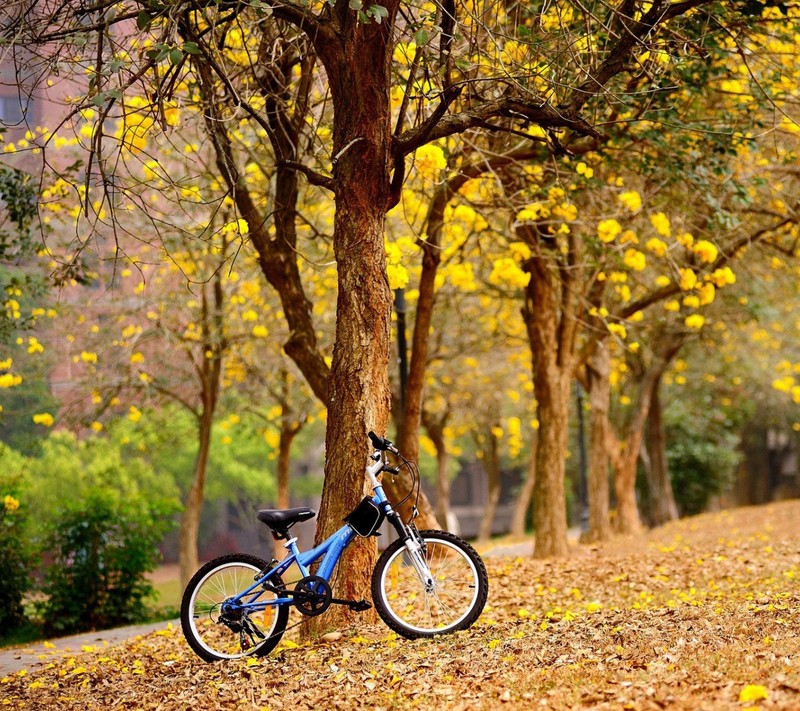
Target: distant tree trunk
column 491, row 462
column 628, row 521
column 289, row 430
column 408, row 430
column 523, row 503
column 550, row 317
column 210, row 375
column 434, row 426
column 190, row 521
column 598, row 370
column 662, row 499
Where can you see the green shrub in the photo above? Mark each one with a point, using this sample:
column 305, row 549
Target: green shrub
column 14, row 562
column 16, row 557
column 102, row 547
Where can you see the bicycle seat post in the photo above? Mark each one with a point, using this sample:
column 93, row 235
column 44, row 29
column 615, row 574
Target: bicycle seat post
column 291, row 546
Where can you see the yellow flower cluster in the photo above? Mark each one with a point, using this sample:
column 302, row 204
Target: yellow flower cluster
column 43, row 418
column 506, row 272
column 608, row 230
column 10, row 503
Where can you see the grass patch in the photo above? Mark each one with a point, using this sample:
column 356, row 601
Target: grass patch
column 27, row 633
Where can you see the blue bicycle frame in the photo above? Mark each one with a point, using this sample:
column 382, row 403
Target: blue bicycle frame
column 330, row 550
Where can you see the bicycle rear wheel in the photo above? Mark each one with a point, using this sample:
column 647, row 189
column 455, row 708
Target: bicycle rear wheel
column 216, row 634
column 455, row 600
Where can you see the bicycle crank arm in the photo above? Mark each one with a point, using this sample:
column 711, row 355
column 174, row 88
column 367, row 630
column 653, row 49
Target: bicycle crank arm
column 355, row 605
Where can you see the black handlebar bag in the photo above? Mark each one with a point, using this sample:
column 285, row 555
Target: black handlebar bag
column 366, row 518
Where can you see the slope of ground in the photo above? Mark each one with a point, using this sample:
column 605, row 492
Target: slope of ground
column 700, row 614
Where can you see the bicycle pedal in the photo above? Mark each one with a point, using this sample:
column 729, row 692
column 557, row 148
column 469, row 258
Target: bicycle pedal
column 360, row 605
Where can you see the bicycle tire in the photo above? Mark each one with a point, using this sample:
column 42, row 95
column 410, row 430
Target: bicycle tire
column 457, row 600
column 215, row 581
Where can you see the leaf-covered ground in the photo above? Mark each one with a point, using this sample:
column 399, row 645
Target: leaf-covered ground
column 700, row 614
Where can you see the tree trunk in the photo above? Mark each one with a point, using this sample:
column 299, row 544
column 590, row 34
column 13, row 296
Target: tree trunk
column 523, row 503
column 492, row 467
column 357, row 63
column 550, row 321
column 289, row 431
column 549, row 496
column 408, row 431
column 435, row 430
column 210, row 371
column 190, row 521
column 599, row 370
column 662, row 499
column 628, row 521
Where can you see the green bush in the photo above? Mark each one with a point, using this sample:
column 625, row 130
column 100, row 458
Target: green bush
column 15, row 580
column 702, row 452
column 102, row 548
column 16, row 557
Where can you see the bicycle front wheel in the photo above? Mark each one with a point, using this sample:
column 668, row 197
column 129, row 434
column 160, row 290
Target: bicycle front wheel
column 452, row 602
column 216, row 631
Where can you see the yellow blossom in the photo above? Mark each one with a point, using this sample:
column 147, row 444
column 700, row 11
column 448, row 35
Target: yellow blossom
column 43, row 418
column 634, row 259
column 506, row 272
column 607, row 230
column 9, row 380
column 618, row 330
column 661, row 224
column 430, row 161
column 657, row 246
column 753, row 692
column 705, row 250
column 88, row 357
column 10, row 503
column 723, row 276
column 695, row 321
column 706, row 293
column 259, row 331
column 688, row 279
column 631, row 200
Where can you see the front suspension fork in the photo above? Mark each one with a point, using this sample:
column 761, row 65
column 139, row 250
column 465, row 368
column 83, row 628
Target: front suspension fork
column 416, row 549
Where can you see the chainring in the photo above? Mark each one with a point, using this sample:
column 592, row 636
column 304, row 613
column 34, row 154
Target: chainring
column 313, row 595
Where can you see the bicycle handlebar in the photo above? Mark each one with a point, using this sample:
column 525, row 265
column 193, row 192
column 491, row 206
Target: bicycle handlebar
column 382, row 444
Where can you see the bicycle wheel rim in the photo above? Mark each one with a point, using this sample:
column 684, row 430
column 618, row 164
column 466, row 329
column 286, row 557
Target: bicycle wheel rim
column 214, row 588
column 455, row 594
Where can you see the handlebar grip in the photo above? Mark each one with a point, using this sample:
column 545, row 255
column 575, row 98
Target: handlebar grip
column 384, row 445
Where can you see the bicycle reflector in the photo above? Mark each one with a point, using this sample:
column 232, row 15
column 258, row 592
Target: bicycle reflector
column 366, row 518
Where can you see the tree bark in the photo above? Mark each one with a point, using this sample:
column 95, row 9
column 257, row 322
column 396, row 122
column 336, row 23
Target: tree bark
column 209, row 371
column 188, row 558
column 549, row 317
column 491, row 462
column 662, row 499
column 523, row 503
column 599, row 369
column 628, row 520
column 357, row 62
column 289, row 430
column 435, row 429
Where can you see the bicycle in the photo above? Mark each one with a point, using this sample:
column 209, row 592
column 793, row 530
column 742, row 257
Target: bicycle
column 425, row 583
